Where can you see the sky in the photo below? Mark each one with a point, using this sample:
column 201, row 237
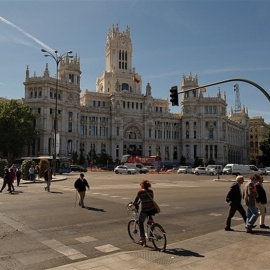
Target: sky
column 213, row 39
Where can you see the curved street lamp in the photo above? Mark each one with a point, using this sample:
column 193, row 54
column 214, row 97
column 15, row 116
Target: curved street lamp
column 230, row 80
column 57, row 58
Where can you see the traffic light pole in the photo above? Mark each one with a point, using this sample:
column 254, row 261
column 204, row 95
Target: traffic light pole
column 230, row 80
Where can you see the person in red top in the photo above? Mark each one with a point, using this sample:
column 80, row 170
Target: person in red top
column 145, row 196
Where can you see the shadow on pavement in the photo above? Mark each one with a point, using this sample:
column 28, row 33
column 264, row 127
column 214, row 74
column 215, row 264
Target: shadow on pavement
column 264, row 233
column 94, row 209
column 182, row 252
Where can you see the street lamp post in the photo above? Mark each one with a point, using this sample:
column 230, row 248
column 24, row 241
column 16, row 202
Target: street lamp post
column 57, row 58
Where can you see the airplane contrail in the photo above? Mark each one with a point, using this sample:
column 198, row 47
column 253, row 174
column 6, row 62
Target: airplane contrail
column 25, row 33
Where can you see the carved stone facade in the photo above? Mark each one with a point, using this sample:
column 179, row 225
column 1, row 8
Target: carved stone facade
column 118, row 118
column 258, row 130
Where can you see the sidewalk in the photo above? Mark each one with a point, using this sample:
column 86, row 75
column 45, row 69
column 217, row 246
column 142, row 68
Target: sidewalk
column 55, row 178
column 219, row 250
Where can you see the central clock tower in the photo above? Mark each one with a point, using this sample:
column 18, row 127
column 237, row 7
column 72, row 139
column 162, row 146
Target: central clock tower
column 119, row 74
column 118, row 51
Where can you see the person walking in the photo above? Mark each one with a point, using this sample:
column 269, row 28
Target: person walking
column 18, row 176
column 234, row 198
column 250, row 195
column 261, row 202
column 36, row 173
column 48, row 178
column 145, row 195
column 6, row 181
column 80, row 185
column 12, row 176
column 31, row 173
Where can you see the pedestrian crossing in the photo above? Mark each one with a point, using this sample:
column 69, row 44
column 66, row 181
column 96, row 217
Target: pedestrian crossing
column 71, row 252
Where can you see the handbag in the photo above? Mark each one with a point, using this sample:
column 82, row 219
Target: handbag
column 155, row 204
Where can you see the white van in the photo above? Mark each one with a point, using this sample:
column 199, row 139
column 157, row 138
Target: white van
column 237, row 169
column 217, row 168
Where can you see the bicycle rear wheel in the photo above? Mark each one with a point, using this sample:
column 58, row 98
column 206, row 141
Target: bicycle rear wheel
column 134, row 231
column 158, row 237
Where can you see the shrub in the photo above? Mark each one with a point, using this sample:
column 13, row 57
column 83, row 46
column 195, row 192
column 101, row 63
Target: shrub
column 43, row 165
column 27, row 163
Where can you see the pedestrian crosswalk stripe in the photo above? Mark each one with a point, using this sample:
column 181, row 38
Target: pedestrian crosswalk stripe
column 215, row 214
column 86, row 239
column 237, row 218
column 71, row 253
column 107, row 248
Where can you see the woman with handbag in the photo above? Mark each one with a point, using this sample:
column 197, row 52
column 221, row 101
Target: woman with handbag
column 145, row 196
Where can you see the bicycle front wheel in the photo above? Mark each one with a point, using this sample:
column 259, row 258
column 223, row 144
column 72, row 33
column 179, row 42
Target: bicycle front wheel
column 158, row 237
column 134, row 231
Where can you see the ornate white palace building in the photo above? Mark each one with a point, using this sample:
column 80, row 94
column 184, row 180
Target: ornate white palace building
column 120, row 118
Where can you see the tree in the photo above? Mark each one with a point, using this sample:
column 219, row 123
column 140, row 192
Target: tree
column 104, row 159
column 43, row 165
column 26, row 164
column 74, row 157
column 265, row 148
column 183, row 161
column 16, row 128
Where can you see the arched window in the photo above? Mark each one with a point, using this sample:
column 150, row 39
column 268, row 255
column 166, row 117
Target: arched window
column 125, row 86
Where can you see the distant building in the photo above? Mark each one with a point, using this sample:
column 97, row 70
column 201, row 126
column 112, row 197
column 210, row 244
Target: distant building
column 258, row 130
column 119, row 118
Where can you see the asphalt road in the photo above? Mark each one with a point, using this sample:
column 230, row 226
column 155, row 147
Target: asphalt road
column 40, row 230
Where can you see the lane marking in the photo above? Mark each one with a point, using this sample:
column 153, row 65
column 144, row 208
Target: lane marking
column 214, row 214
column 236, row 218
column 107, row 248
column 71, row 253
column 86, row 239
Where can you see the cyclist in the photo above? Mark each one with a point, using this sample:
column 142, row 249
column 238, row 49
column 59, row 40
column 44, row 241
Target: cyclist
column 146, row 196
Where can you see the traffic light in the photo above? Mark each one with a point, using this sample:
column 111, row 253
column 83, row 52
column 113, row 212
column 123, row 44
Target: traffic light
column 174, row 96
column 203, row 90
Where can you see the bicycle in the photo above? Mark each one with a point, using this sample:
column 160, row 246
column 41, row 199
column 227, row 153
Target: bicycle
column 154, row 231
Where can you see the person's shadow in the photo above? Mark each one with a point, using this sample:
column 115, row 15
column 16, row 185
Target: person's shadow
column 182, row 252
column 94, row 209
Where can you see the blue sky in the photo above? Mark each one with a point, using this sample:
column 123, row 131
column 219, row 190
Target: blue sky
column 215, row 39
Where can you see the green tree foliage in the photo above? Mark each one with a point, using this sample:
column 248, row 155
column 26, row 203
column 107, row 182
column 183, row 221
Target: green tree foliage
column 81, row 157
column 265, row 148
column 27, row 163
column 183, row 161
column 104, row 159
column 16, row 128
column 3, row 164
column 74, row 157
column 198, row 162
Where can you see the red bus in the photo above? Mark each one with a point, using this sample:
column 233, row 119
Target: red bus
column 148, row 161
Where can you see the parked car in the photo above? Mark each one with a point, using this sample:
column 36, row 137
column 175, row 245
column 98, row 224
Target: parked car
column 124, row 169
column 202, row 170
column 217, row 168
column 267, row 170
column 184, row 169
column 143, row 170
column 174, row 169
column 227, row 169
column 263, row 171
column 140, row 168
column 151, row 168
column 77, row 168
